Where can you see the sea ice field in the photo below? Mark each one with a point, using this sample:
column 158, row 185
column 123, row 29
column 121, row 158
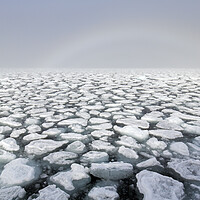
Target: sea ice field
column 100, row 136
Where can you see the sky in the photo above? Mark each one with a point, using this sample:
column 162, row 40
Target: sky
column 119, row 34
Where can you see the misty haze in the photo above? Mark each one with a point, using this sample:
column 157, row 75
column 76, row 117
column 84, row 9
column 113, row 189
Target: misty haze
column 99, row 100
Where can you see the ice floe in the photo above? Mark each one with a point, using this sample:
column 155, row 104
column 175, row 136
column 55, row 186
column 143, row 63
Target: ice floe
column 180, row 147
column 94, row 157
column 73, row 179
column 112, row 170
column 166, row 134
column 132, row 131
column 156, row 186
column 52, row 192
column 188, row 169
column 103, row 193
column 13, row 192
column 61, row 158
column 18, row 172
column 43, row 146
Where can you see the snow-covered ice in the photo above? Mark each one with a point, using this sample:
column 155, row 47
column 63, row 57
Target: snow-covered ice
column 112, row 170
column 156, row 186
column 87, row 135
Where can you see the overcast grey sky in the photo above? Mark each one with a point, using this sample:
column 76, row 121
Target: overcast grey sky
column 99, row 33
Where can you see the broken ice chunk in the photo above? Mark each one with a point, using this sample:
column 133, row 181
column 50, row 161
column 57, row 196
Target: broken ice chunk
column 166, row 134
column 101, row 133
column 9, row 144
column 51, row 192
column 101, row 145
column 155, row 144
column 5, row 130
column 128, row 142
column 18, row 172
column 127, row 153
column 112, row 170
column 148, row 163
column 6, row 121
column 43, row 146
column 68, row 122
column 188, row 169
column 6, row 156
column 96, row 120
column 74, row 136
column 76, row 147
column 73, row 179
column 132, row 131
column 103, row 193
column 34, row 128
column 156, row 186
column 52, row 132
column 94, row 157
column 61, row 158
column 179, row 147
column 33, row 136
column 17, row 133
column 12, row 193
column 191, row 129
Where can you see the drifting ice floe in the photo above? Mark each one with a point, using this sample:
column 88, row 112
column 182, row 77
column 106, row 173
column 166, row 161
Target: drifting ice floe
column 112, row 170
column 18, row 172
column 61, row 158
column 103, row 193
column 156, row 186
column 166, row 134
column 132, row 131
column 51, row 192
column 75, row 178
column 43, row 146
column 13, row 192
column 179, row 147
column 188, row 169
column 95, row 156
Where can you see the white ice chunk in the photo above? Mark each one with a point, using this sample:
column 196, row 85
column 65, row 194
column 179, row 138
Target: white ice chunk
column 43, row 146
column 155, row 144
column 132, row 131
column 134, row 122
column 148, row 163
column 67, row 122
column 34, row 128
column 169, row 125
column 179, row 147
column 166, row 134
column 128, row 153
column 112, row 170
column 12, row 193
column 34, row 136
column 51, row 192
column 104, row 126
column 74, row 137
column 17, row 133
column 128, row 142
column 9, row 144
column 101, row 133
column 6, row 157
column 95, row 156
column 191, row 129
column 61, row 158
column 101, row 145
column 103, row 193
column 188, row 169
column 77, row 177
column 52, row 132
column 6, row 121
column 18, row 172
column 76, row 147
column 96, row 120
column 156, row 186
column 5, row 129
